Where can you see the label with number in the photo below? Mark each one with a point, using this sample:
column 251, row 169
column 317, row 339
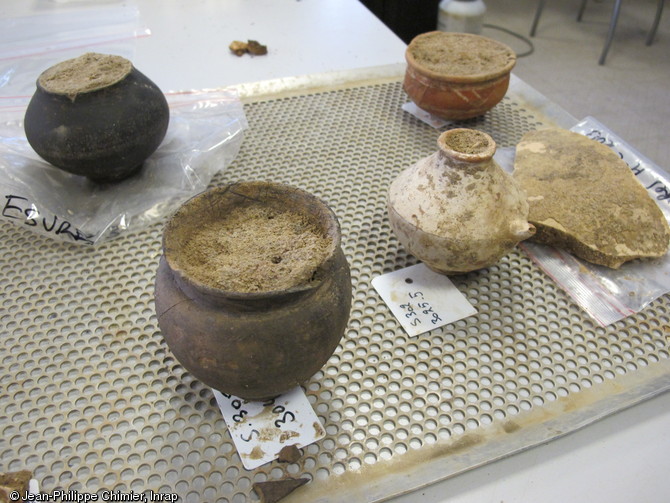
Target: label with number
column 260, row 429
column 421, row 299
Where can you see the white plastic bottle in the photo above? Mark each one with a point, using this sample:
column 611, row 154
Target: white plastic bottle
column 464, row 16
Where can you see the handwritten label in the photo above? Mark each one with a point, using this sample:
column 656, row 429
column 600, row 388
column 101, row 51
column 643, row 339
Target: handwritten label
column 260, row 429
column 20, row 208
column 421, row 299
column 430, row 119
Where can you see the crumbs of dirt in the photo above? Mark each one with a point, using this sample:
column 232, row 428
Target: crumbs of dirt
column 458, row 55
column 89, row 72
column 255, row 249
column 467, row 142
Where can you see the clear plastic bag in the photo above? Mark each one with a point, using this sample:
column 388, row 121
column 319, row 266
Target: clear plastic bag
column 31, row 44
column 608, row 295
column 204, row 136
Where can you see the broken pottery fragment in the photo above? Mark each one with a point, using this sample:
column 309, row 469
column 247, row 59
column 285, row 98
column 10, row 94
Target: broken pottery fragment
column 584, row 198
column 289, row 454
column 12, row 483
column 273, row 491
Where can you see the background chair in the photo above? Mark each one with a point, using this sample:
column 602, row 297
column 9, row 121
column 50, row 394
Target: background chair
column 613, row 22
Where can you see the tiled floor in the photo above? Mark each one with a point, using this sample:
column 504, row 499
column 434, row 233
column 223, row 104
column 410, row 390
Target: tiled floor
column 630, row 93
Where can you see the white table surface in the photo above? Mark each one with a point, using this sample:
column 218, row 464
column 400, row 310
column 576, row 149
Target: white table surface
column 188, row 45
column 623, row 458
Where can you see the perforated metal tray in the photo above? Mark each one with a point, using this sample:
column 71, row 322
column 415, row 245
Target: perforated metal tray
column 92, row 399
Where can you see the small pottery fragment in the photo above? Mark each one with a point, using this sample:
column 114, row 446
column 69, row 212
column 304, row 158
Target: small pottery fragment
column 253, row 291
column 457, row 75
column 274, row 491
column 289, row 454
column 14, row 482
column 96, row 116
column 457, row 210
column 584, row 198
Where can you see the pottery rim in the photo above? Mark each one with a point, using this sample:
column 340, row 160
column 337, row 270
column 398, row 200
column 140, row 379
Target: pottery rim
column 460, row 79
column 322, row 216
column 125, row 69
column 483, row 154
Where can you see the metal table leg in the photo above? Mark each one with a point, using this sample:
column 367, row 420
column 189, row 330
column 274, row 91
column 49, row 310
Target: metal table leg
column 657, row 19
column 610, row 33
column 582, row 7
column 538, row 13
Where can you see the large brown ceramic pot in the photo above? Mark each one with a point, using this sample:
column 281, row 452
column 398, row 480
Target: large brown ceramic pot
column 457, row 75
column 253, row 291
column 96, row 116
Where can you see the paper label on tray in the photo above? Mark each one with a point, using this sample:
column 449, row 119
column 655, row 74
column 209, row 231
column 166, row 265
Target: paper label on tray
column 422, row 115
column 421, row 299
column 261, row 429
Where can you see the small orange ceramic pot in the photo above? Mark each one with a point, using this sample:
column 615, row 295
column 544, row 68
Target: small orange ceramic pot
column 457, row 75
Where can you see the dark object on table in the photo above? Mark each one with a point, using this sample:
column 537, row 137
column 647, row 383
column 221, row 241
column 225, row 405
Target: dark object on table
column 405, row 18
column 250, row 46
column 96, row 116
column 274, row 490
column 256, row 49
column 238, row 47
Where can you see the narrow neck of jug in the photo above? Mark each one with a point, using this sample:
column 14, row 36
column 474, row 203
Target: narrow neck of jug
column 466, row 147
